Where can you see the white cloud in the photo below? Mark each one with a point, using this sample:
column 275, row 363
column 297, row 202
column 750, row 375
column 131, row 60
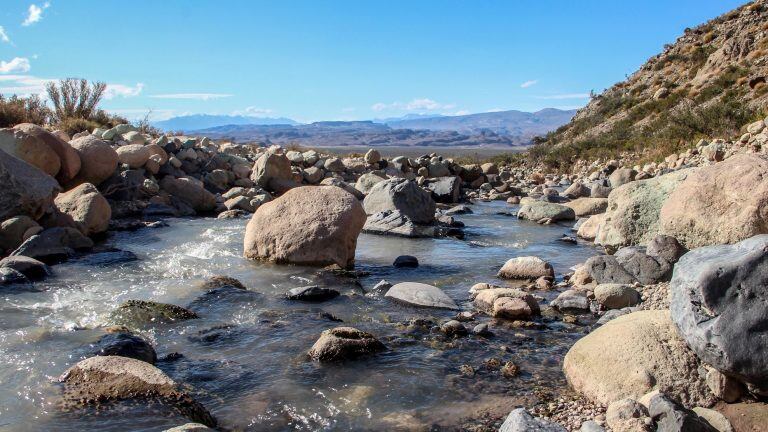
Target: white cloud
column 252, row 111
column 529, row 83
column 17, row 65
column 566, row 96
column 23, row 85
column 35, row 13
column 197, row 96
column 422, row 104
column 121, row 90
column 4, row 36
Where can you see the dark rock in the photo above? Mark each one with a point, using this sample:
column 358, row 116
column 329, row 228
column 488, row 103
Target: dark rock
column 29, row 267
column 142, row 312
column 54, row 245
column 646, row 269
column 9, row 276
column 312, row 293
column 454, row 328
column 459, row 209
column 344, row 343
column 406, row 261
column 673, row 417
column 482, row 330
column 126, row 345
column 219, row 281
column 108, row 258
column 607, row 269
column 718, row 302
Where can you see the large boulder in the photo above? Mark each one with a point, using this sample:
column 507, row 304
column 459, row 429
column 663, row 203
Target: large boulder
column 100, row 379
column 632, row 355
column 87, row 207
column 269, row 167
column 68, row 157
column 98, row 160
column 420, row 294
column 537, row 210
column 25, row 189
column 633, row 210
column 722, row 203
column 15, row 230
column 367, row 181
column 133, row 155
column 527, row 267
column 588, row 206
column 718, row 302
column 191, row 192
column 395, row 223
column 344, row 343
column 403, row 195
column 445, row 189
column 310, row 225
column 31, row 149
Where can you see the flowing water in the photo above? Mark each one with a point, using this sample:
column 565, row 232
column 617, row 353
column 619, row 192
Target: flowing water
column 245, row 357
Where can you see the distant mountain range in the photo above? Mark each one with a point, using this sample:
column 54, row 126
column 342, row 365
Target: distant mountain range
column 204, row 121
column 493, row 129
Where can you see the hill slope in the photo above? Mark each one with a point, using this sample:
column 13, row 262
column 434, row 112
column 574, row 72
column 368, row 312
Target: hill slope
column 710, row 82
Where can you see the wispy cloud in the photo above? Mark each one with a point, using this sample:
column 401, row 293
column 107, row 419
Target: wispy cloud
column 529, row 83
column 35, row 13
column 196, row 96
column 4, row 36
column 17, row 65
column 253, row 111
column 121, row 90
column 22, row 84
column 422, row 104
column 566, row 96
column 139, row 113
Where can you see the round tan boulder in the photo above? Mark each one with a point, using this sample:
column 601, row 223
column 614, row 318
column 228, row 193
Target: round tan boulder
column 26, row 189
column 588, row 230
column 588, row 206
column 156, row 150
column 70, row 160
column 31, row 149
column 12, row 231
column 528, row 267
column 632, row 355
column 87, row 207
column 133, row 155
column 98, row 160
column 722, row 203
column 310, row 225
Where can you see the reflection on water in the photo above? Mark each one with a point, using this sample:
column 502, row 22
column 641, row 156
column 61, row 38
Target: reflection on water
column 245, row 356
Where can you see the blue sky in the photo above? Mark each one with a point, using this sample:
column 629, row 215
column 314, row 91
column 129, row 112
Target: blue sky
column 338, row 60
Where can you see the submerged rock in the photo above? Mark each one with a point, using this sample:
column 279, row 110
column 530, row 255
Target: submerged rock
column 406, row 261
column 219, row 281
column 310, row 225
column 344, row 343
column 142, row 312
column 312, row 293
column 113, row 378
column 29, row 267
column 422, row 295
column 54, row 245
column 125, row 344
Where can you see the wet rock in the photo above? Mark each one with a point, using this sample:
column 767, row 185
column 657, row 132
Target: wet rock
column 87, row 207
column 143, row 312
column 406, row 261
column 189, row 427
column 112, row 378
column 422, row 295
column 459, row 209
column 718, row 297
column 344, row 343
column 126, row 345
column 219, row 281
column 670, row 416
column 382, row 286
column 308, row 225
column 528, row 267
column 97, row 158
column 29, row 267
column 520, row 421
column 538, row 210
column 632, row 355
column 9, row 276
column 571, row 301
column 454, row 328
column 482, row 330
column 312, row 293
column 722, row 203
column 397, row 224
column 616, row 296
column 26, row 190
column 107, row 258
column 403, row 195
column 54, row 245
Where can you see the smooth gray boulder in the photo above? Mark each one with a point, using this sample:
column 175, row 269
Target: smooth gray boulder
column 29, row 267
column 670, row 416
column 26, row 189
column 607, row 269
column 646, row 269
column 54, row 244
column 393, row 222
column 718, row 302
column 538, row 210
column 403, row 195
column 520, row 421
column 422, row 295
column 571, row 301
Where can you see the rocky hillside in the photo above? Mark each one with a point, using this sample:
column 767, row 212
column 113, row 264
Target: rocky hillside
column 709, row 82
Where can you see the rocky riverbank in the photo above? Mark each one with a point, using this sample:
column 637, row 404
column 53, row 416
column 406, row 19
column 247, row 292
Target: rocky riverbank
column 679, row 295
